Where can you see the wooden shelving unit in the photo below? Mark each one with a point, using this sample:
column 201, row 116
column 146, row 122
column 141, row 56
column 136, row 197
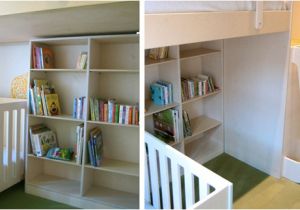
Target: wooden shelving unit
column 206, row 111
column 112, row 72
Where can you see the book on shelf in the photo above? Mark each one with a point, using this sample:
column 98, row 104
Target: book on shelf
column 42, row 139
column 166, row 125
column 197, row 86
column 78, row 107
column 112, row 112
column 161, row 92
column 78, row 150
column 95, row 147
column 42, row 99
column 82, row 61
column 42, row 57
column 187, row 128
column 159, row 53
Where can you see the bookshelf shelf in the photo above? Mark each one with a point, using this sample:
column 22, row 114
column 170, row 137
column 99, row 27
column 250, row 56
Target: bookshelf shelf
column 112, row 198
column 73, row 163
column 201, row 97
column 202, row 124
column 191, row 53
column 152, row 108
column 112, row 71
column 58, row 117
column 59, row 70
column 118, row 166
column 112, row 124
column 152, row 62
column 115, row 70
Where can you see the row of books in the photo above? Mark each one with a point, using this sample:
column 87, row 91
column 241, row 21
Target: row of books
column 166, row 125
column 196, row 86
column 42, row 139
column 42, row 57
column 95, row 147
column 78, row 107
column 159, row 53
column 43, row 99
column 187, row 128
column 78, row 149
column 110, row 111
column 161, row 92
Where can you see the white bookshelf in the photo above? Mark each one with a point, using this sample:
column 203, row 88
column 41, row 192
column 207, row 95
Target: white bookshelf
column 112, row 72
column 206, row 111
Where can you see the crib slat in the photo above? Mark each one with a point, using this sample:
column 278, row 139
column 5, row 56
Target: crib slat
column 189, row 188
column 176, row 185
column 18, row 141
column 154, row 177
column 147, row 181
column 164, row 175
column 203, row 189
column 1, row 145
column 9, row 144
column 22, row 141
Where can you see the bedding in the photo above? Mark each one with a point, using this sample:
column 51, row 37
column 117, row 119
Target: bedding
column 209, row 6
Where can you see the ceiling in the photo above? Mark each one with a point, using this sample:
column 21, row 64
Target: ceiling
column 104, row 18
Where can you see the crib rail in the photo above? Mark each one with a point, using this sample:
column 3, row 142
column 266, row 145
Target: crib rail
column 12, row 141
column 173, row 180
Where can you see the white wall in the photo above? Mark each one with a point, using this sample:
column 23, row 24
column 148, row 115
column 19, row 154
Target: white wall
column 14, row 61
column 255, row 84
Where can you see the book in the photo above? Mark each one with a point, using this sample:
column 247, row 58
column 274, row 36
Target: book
column 161, row 92
column 95, row 147
column 53, row 105
column 42, row 57
column 82, row 61
column 34, row 130
column 47, row 58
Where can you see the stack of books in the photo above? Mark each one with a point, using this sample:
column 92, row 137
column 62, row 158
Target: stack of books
column 42, row 57
column 95, row 147
column 187, row 128
column 166, row 125
column 78, row 107
column 78, row 150
column 42, row 139
column 82, row 61
column 110, row 111
column 43, row 99
column 161, row 92
column 159, row 53
column 196, row 86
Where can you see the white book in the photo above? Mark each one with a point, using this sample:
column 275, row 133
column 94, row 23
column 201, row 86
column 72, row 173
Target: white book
column 121, row 114
column 127, row 115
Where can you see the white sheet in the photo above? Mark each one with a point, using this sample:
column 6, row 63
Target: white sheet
column 208, row 6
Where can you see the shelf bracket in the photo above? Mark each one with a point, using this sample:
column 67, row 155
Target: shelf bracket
column 259, row 15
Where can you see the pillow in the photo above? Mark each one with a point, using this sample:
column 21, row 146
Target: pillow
column 19, row 86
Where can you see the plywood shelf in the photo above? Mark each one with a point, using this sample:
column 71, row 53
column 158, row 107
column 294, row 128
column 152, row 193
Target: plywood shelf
column 201, row 97
column 113, row 198
column 112, row 124
column 117, row 166
column 115, row 70
column 73, row 163
column 200, row 125
column 185, row 54
column 59, row 70
column 58, row 117
column 152, row 108
column 152, row 62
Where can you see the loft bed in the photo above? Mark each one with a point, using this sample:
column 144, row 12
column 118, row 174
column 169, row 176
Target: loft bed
column 165, row 21
column 247, row 57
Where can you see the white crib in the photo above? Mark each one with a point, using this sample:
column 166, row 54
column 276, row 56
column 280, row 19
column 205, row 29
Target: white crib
column 12, row 141
column 166, row 169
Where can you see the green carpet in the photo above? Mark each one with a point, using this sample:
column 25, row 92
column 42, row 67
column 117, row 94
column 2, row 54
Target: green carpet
column 243, row 176
column 16, row 198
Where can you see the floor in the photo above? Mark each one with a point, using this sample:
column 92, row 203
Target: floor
column 253, row 188
column 16, row 198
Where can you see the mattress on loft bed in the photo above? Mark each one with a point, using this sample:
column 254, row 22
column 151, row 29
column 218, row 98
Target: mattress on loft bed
column 210, row 6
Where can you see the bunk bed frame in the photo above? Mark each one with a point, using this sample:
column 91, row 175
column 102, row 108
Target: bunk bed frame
column 170, row 29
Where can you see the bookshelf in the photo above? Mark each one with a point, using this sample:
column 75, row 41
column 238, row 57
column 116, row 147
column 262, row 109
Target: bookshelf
column 205, row 111
column 112, row 72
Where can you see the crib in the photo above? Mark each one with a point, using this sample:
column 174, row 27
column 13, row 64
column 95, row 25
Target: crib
column 173, row 180
column 12, row 141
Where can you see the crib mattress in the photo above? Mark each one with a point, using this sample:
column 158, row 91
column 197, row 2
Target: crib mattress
column 209, row 6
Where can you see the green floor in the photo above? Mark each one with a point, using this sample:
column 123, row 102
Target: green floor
column 16, row 198
column 243, row 176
